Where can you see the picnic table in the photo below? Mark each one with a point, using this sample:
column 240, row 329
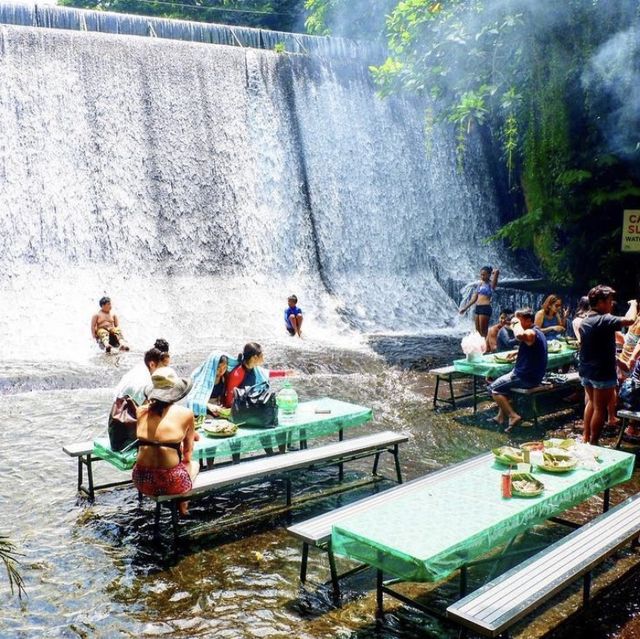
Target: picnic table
column 425, row 535
column 486, row 366
column 307, row 423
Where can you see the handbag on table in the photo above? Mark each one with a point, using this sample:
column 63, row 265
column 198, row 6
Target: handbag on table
column 123, row 421
column 254, row 406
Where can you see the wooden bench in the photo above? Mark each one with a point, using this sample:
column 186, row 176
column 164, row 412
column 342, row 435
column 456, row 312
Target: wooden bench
column 336, row 453
column 317, row 531
column 572, row 379
column 447, row 374
column 625, row 417
column 494, row 608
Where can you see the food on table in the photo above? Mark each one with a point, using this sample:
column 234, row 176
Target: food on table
column 525, row 485
column 557, row 462
column 219, row 428
column 532, row 446
column 555, row 442
column 554, row 346
column 506, row 358
column 508, row 455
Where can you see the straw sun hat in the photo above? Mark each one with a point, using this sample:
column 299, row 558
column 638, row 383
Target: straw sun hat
column 167, row 386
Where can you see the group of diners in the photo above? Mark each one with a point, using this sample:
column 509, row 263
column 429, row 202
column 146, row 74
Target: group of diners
column 166, row 431
column 597, row 332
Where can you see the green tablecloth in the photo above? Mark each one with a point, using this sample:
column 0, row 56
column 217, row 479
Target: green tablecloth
column 306, row 424
column 488, row 367
column 427, row 534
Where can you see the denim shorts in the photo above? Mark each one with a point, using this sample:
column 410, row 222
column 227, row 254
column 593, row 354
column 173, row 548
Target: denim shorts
column 505, row 383
column 611, row 383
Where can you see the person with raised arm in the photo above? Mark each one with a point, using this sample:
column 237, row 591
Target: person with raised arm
column 482, row 299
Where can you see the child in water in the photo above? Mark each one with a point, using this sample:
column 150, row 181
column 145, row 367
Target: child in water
column 105, row 327
column 293, row 317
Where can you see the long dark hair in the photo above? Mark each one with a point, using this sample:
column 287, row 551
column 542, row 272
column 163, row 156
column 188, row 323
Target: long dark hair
column 250, row 350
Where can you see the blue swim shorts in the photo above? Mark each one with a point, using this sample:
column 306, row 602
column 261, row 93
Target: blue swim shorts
column 610, row 383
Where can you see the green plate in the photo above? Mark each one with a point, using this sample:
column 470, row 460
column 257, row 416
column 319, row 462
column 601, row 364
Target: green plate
column 508, row 460
column 568, row 465
column 537, row 486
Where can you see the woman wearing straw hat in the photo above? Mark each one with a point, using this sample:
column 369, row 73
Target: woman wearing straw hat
column 166, row 433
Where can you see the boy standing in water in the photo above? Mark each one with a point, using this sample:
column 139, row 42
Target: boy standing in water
column 293, row 317
column 105, row 327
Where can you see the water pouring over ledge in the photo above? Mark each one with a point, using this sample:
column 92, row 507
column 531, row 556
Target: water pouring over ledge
column 212, row 181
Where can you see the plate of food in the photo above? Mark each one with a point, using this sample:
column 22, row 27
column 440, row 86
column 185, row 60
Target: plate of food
column 508, row 455
column 556, row 442
column 219, row 428
column 554, row 346
column 532, row 446
column 557, row 463
column 508, row 357
column 525, row 485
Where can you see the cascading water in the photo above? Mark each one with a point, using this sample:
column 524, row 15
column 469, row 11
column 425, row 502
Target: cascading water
column 207, row 182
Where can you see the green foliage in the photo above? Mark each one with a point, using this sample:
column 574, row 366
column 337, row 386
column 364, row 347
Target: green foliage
column 279, row 47
column 360, row 19
column 9, row 557
column 514, row 69
column 280, row 15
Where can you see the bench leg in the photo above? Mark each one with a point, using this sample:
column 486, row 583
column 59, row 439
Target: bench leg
column 587, row 588
column 156, row 522
column 288, row 482
column 453, row 397
column 304, row 562
column 379, row 595
column 174, row 521
column 235, row 458
column 396, row 459
column 303, row 439
column 90, row 477
column 623, row 426
column 475, row 394
column 376, row 460
column 80, row 473
column 435, row 391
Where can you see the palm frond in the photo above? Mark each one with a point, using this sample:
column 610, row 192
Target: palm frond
column 9, row 557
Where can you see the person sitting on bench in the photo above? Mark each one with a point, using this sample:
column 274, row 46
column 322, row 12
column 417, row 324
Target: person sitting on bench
column 531, row 365
column 166, row 433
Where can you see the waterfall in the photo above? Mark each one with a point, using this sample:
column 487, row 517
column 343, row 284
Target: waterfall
column 200, row 184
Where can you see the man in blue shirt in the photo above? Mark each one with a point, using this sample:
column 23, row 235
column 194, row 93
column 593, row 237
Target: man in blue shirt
column 293, row 317
column 531, row 365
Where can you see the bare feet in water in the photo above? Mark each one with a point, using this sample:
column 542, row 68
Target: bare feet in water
column 514, row 420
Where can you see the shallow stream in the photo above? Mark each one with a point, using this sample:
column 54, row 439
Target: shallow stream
column 91, row 569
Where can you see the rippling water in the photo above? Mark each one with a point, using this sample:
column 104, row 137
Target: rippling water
column 91, row 569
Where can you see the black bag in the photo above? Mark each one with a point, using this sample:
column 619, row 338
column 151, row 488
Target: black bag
column 123, row 421
column 629, row 394
column 254, row 406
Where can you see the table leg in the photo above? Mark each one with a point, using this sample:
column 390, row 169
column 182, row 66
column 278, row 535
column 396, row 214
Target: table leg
column 475, row 394
column 606, row 500
column 90, row 477
column 379, row 594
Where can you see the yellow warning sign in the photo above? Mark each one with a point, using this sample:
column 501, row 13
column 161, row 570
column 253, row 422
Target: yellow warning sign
column 631, row 231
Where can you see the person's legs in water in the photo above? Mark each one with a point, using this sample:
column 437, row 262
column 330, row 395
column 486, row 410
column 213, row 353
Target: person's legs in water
column 104, row 339
column 612, row 409
column 588, row 413
column 193, row 467
column 116, row 339
column 296, row 324
column 601, row 400
column 498, row 390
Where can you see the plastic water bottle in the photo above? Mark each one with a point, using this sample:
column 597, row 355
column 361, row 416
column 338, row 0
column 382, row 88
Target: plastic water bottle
column 287, row 400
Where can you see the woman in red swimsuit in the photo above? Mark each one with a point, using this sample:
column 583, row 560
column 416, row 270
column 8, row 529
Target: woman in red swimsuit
column 248, row 372
column 166, row 433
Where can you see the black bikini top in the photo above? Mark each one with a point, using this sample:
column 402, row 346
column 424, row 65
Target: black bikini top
column 173, row 445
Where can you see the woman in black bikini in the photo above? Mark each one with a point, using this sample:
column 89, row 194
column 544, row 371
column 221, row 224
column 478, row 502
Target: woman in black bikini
column 482, row 299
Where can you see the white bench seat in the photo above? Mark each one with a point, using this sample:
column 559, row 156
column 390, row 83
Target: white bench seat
column 335, row 453
column 501, row 603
